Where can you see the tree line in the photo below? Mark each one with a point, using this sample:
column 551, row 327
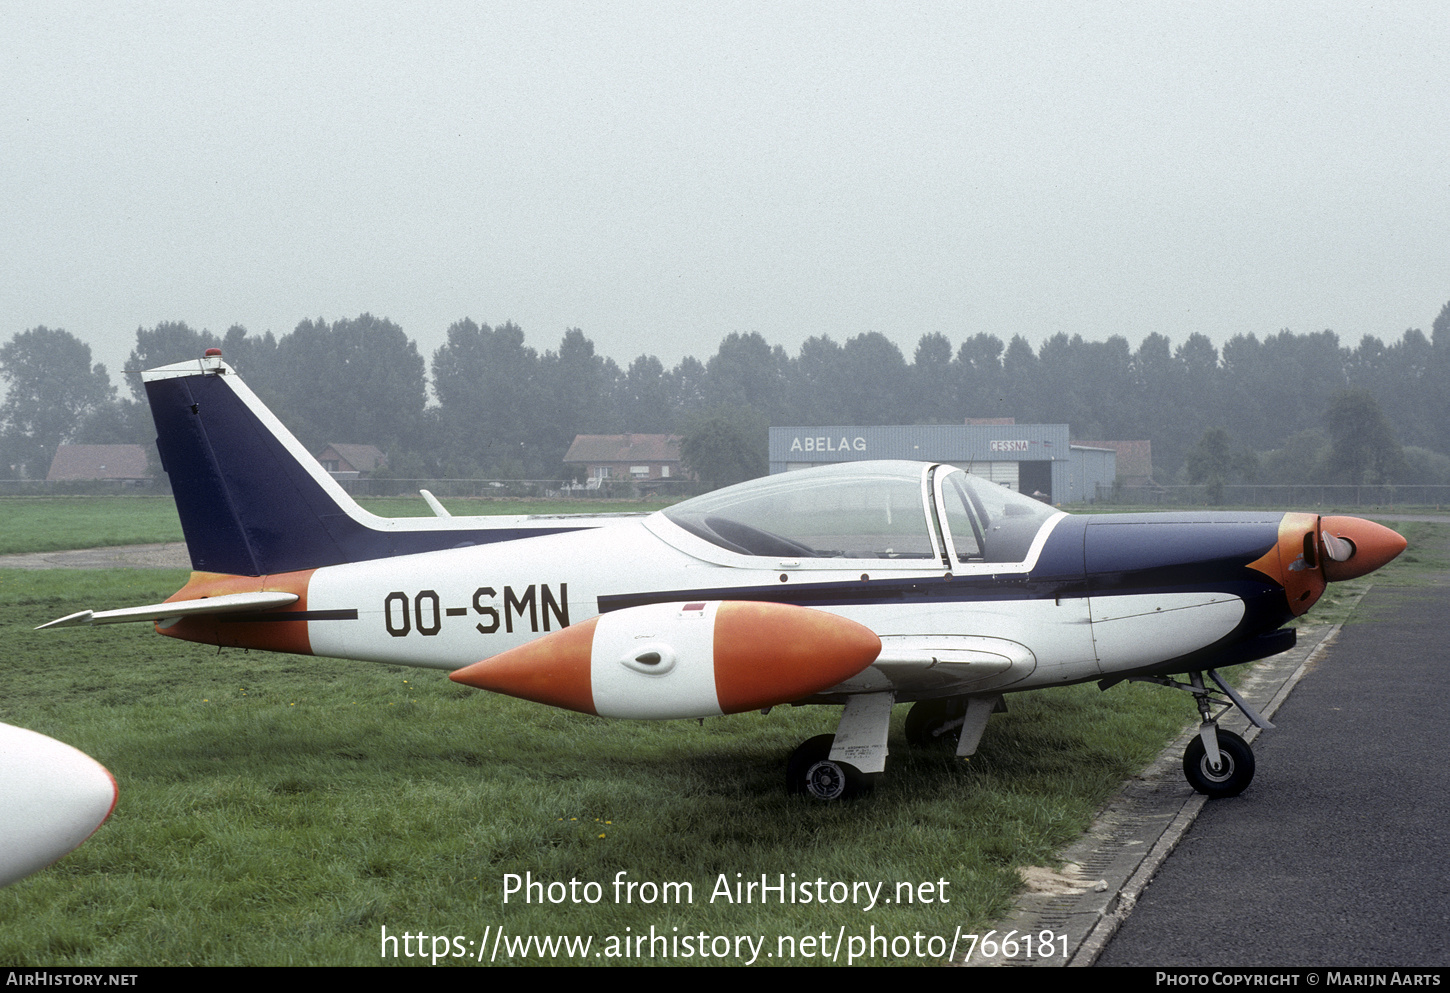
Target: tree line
column 1282, row 408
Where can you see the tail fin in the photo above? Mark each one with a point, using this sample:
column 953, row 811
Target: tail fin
column 252, row 501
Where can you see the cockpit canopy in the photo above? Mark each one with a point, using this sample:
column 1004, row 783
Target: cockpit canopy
column 868, row 510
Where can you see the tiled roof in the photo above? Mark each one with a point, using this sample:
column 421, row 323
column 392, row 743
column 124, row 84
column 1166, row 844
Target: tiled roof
column 597, row 448
column 98, row 462
column 363, row 458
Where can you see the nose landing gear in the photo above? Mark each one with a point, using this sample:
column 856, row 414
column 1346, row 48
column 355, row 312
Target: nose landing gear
column 1217, row 763
column 1229, row 776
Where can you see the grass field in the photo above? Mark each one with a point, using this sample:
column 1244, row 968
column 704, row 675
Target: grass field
column 281, row 809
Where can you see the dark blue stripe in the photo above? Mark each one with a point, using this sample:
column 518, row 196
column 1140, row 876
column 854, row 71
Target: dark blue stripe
column 296, row 615
column 1168, row 550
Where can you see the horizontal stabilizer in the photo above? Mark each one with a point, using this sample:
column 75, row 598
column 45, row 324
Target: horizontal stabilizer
column 230, row 603
column 437, row 507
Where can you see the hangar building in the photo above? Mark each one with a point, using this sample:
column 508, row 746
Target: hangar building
column 1029, row 458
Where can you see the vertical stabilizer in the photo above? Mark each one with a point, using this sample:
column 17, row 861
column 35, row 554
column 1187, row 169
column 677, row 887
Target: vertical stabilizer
column 253, row 501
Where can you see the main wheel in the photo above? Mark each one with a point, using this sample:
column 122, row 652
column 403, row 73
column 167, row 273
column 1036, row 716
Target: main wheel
column 810, row 772
column 1235, row 770
column 930, row 723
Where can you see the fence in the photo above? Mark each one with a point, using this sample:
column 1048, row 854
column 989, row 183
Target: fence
column 47, row 487
column 1281, row 495
column 609, row 489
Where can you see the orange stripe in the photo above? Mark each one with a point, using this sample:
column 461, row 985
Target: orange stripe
column 271, row 636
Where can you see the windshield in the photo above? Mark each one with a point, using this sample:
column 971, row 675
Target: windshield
column 989, row 522
column 858, row 510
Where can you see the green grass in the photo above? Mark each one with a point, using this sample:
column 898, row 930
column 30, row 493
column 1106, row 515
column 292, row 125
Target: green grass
column 51, row 524
column 282, row 809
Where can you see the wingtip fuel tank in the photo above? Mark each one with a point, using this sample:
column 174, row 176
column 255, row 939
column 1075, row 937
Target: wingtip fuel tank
column 675, row 660
column 52, row 798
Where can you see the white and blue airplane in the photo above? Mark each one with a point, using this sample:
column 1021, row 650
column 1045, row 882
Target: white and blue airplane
column 863, row 584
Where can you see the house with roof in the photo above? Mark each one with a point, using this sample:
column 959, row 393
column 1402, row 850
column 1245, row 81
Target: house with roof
column 119, row 463
column 614, row 457
column 351, row 461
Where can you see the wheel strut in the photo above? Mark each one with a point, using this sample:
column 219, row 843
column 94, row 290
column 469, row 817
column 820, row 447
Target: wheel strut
column 1208, row 727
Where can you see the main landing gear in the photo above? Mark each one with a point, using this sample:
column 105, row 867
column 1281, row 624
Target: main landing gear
column 936, row 723
column 811, row 772
column 848, row 763
column 1217, row 763
column 845, row 764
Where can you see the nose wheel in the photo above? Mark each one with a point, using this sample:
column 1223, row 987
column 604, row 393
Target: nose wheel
column 1217, row 763
column 1229, row 776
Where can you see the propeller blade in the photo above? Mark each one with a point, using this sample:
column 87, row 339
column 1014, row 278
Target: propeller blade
column 1337, row 549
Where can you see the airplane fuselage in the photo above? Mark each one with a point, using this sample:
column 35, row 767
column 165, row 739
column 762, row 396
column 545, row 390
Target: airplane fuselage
column 1092, row 600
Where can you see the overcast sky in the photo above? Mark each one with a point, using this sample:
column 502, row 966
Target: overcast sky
column 662, row 174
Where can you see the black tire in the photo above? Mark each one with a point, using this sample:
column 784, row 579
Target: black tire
column 927, row 723
column 810, row 772
column 1234, row 774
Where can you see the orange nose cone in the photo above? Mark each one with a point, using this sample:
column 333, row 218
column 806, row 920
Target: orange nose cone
column 770, row 653
column 553, row 669
column 1374, row 545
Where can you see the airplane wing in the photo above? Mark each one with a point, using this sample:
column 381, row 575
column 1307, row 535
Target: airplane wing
column 229, row 603
column 937, row 665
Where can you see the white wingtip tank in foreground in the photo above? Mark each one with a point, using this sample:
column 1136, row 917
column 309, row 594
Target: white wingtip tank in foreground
column 52, row 798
